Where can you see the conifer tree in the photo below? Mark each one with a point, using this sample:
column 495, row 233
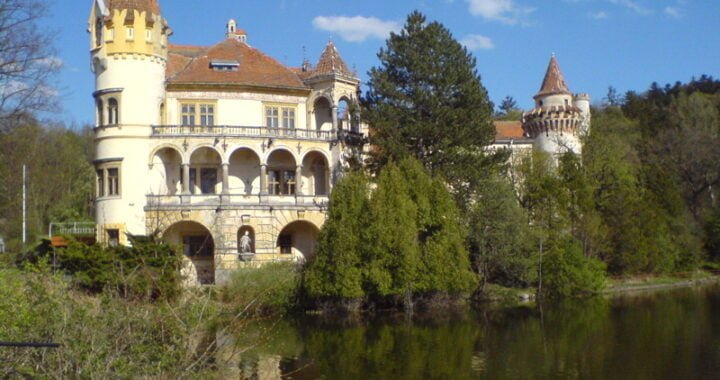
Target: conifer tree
column 425, row 100
column 336, row 270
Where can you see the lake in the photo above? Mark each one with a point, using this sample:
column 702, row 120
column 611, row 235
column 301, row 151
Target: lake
column 662, row 335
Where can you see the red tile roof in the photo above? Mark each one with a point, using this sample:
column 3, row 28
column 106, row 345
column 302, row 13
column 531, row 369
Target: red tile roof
column 554, row 82
column 508, row 130
column 149, row 6
column 191, row 65
column 331, row 63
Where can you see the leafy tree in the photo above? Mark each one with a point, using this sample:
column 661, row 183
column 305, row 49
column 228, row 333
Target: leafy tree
column 425, row 100
column 500, row 238
column 336, row 270
column 28, row 61
column 569, row 273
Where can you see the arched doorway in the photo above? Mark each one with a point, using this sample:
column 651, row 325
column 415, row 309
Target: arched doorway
column 315, row 174
column 244, row 172
column 166, row 172
column 298, row 240
column 198, row 248
column 323, row 114
column 281, row 173
column 205, row 176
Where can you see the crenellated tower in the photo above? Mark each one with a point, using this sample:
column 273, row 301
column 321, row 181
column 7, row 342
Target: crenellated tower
column 559, row 117
column 129, row 53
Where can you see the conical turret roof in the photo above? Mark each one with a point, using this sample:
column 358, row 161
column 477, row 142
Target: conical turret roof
column 331, row 63
column 148, row 6
column 554, row 82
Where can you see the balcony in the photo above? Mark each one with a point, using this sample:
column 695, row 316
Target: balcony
column 159, row 202
column 169, row 131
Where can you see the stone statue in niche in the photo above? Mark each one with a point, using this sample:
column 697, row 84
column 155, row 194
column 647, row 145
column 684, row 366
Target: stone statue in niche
column 246, row 243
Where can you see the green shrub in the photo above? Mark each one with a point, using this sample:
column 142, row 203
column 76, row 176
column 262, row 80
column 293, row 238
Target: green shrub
column 566, row 272
column 270, row 288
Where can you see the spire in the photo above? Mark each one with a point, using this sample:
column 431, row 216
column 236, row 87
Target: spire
column 554, row 82
column 148, row 6
column 332, row 63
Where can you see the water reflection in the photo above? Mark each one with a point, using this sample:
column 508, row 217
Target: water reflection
column 670, row 335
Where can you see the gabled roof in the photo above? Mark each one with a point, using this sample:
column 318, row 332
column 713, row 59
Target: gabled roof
column 192, row 65
column 148, row 6
column 331, row 63
column 554, row 82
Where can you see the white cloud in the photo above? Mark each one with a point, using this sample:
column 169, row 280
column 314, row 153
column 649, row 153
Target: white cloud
column 506, row 11
column 601, row 15
column 673, row 12
column 477, row 42
column 357, row 28
column 632, row 5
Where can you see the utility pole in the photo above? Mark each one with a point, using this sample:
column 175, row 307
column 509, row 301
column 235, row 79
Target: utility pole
column 24, row 207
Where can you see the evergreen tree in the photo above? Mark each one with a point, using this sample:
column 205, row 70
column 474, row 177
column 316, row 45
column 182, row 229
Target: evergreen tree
column 393, row 257
column 445, row 263
column 426, row 101
column 336, row 270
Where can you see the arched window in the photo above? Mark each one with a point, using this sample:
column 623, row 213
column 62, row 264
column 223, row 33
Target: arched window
column 100, row 113
column 112, row 111
column 98, row 32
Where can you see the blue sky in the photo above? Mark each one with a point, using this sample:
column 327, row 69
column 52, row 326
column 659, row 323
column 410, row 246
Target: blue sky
column 624, row 43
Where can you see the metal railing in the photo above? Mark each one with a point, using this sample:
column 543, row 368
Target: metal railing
column 240, row 131
column 73, row 229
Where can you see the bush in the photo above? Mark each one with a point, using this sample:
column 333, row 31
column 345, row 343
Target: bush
column 271, row 288
column 566, row 272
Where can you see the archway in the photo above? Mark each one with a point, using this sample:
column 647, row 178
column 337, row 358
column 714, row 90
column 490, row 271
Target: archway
column 244, row 172
column 198, row 248
column 343, row 114
column 281, row 172
column 205, row 176
column 298, row 240
column 166, row 173
column 323, row 114
column 315, row 174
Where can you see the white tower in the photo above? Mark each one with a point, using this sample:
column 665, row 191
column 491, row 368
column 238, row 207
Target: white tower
column 129, row 54
column 558, row 118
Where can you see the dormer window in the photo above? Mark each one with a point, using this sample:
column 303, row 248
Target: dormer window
column 130, row 34
column 224, row 65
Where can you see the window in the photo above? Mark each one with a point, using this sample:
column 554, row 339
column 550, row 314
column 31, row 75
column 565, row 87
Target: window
column 108, row 180
column 111, row 34
column 98, row 32
column 192, row 113
column 288, row 118
column 113, row 181
column 188, row 114
column 197, row 246
column 130, row 34
column 100, row 113
column 273, row 115
column 113, row 237
column 281, row 182
column 207, row 115
column 285, row 243
column 208, row 179
column 113, row 111
column 148, row 35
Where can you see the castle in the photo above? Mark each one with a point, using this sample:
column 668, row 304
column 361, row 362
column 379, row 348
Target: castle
column 224, row 151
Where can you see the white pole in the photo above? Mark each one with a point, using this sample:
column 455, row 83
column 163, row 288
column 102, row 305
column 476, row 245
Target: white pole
column 24, row 212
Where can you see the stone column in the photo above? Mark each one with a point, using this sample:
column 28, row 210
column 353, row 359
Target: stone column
column 186, row 179
column 225, row 178
column 263, row 179
column 298, row 180
column 334, row 118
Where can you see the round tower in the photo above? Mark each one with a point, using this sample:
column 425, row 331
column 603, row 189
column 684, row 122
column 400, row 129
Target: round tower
column 555, row 121
column 582, row 101
column 128, row 49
